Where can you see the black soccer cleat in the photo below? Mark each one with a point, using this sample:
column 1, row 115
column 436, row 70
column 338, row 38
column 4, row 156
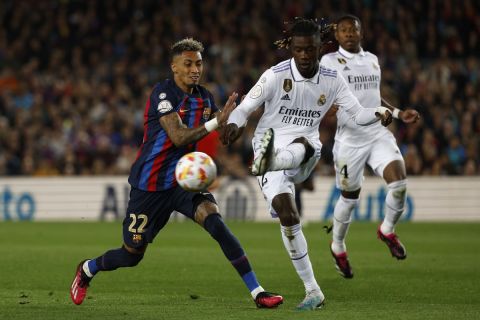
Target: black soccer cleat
column 397, row 249
column 268, row 300
column 342, row 264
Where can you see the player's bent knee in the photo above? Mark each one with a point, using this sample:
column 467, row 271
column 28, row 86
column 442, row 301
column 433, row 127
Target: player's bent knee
column 132, row 256
column 309, row 150
column 398, row 188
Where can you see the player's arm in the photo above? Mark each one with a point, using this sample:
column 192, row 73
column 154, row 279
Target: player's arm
column 181, row 135
column 407, row 115
column 362, row 116
column 261, row 92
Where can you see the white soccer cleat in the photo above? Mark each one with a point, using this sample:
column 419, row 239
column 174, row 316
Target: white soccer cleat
column 313, row 300
column 261, row 163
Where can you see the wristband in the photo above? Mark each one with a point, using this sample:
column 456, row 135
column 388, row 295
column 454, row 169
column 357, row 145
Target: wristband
column 211, row 125
column 396, row 113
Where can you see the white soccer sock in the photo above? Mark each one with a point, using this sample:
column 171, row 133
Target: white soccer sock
column 256, row 291
column 288, row 158
column 394, row 205
column 86, row 269
column 296, row 246
column 341, row 221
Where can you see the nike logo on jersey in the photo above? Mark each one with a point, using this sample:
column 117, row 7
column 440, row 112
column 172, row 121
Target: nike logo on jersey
column 285, row 97
column 183, row 110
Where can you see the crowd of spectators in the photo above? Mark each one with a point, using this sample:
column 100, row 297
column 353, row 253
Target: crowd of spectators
column 75, row 75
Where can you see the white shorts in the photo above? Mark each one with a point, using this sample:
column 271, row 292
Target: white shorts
column 274, row 183
column 350, row 161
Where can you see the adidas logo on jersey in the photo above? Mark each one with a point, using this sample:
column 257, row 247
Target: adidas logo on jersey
column 285, row 97
column 346, row 68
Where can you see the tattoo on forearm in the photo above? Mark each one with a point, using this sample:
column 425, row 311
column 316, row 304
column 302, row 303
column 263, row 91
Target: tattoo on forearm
column 180, row 134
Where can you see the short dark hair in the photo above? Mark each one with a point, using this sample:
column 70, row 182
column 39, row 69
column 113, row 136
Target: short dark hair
column 300, row 27
column 348, row 17
column 187, row 44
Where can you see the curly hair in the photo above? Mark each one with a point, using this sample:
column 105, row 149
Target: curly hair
column 304, row 27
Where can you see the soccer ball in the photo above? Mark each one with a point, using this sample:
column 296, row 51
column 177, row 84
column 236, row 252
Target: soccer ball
column 195, row 171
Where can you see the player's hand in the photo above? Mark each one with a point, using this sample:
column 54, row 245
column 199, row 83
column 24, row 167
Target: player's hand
column 385, row 117
column 230, row 133
column 230, row 105
column 409, row 116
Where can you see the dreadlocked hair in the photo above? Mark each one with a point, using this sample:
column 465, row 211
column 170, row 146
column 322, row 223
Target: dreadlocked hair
column 187, row 44
column 303, row 27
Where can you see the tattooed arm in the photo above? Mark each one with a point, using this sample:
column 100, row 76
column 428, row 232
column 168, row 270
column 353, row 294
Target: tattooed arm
column 179, row 133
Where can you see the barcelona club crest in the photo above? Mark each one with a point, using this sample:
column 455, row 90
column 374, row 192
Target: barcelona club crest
column 342, row 61
column 137, row 238
column 321, row 100
column 287, row 85
column 206, row 113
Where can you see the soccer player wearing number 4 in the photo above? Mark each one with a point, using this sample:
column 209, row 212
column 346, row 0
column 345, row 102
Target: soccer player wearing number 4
column 355, row 146
column 178, row 114
column 297, row 94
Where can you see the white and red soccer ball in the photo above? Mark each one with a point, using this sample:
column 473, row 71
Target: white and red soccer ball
column 195, row 171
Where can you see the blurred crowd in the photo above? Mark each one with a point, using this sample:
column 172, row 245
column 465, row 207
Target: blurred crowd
column 75, row 75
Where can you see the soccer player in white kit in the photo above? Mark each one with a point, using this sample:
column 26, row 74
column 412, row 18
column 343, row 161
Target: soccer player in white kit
column 297, row 93
column 355, row 146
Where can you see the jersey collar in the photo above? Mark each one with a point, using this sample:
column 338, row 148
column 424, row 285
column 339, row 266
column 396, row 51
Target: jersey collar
column 350, row 55
column 297, row 77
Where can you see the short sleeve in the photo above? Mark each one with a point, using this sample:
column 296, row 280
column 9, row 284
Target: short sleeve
column 164, row 100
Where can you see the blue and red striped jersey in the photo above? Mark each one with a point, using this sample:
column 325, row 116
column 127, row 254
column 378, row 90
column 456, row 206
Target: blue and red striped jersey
column 154, row 168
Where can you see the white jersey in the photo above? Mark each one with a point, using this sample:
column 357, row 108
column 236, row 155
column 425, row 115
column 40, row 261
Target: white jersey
column 295, row 106
column 362, row 73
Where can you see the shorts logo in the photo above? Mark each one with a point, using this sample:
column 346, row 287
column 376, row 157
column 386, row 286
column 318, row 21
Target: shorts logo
column 162, row 96
column 164, row 106
column 206, row 113
column 287, row 85
column 256, row 92
column 321, row 100
column 342, row 61
column 137, row 238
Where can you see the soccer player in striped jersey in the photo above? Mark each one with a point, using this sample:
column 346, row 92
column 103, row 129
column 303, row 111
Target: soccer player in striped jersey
column 297, row 94
column 355, row 146
column 178, row 113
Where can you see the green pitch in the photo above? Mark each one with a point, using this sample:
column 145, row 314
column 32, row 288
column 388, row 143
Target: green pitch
column 185, row 276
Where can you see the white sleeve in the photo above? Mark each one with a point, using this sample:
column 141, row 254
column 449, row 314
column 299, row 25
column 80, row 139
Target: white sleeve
column 262, row 91
column 346, row 100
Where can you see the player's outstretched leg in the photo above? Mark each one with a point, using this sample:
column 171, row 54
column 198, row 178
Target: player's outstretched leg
column 78, row 289
column 236, row 255
column 261, row 163
column 397, row 249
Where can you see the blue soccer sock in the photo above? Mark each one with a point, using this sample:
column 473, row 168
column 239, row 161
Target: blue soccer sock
column 233, row 251
column 114, row 259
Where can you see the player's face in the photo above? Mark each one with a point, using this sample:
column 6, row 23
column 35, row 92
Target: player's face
column 349, row 35
column 305, row 52
column 187, row 69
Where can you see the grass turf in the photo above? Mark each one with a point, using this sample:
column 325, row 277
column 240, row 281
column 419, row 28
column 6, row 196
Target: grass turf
column 185, row 276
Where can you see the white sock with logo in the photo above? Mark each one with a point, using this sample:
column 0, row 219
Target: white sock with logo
column 289, row 157
column 341, row 221
column 296, row 246
column 394, row 205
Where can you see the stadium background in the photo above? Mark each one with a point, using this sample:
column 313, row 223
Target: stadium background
column 74, row 78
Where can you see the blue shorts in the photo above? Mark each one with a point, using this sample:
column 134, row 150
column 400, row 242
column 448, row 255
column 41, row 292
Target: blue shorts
column 148, row 212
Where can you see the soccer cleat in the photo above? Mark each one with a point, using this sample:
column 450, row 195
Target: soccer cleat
column 396, row 247
column 80, row 283
column 268, row 300
column 261, row 162
column 313, row 300
column 341, row 264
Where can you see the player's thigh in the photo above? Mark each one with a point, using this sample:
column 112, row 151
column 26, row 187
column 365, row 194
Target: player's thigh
column 147, row 213
column 274, row 183
column 349, row 166
column 194, row 205
column 384, row 151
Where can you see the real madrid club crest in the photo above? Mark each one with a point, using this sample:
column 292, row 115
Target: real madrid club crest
column 321, row 100
column 206, row 113
column 342, row 61
column 287, row 85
